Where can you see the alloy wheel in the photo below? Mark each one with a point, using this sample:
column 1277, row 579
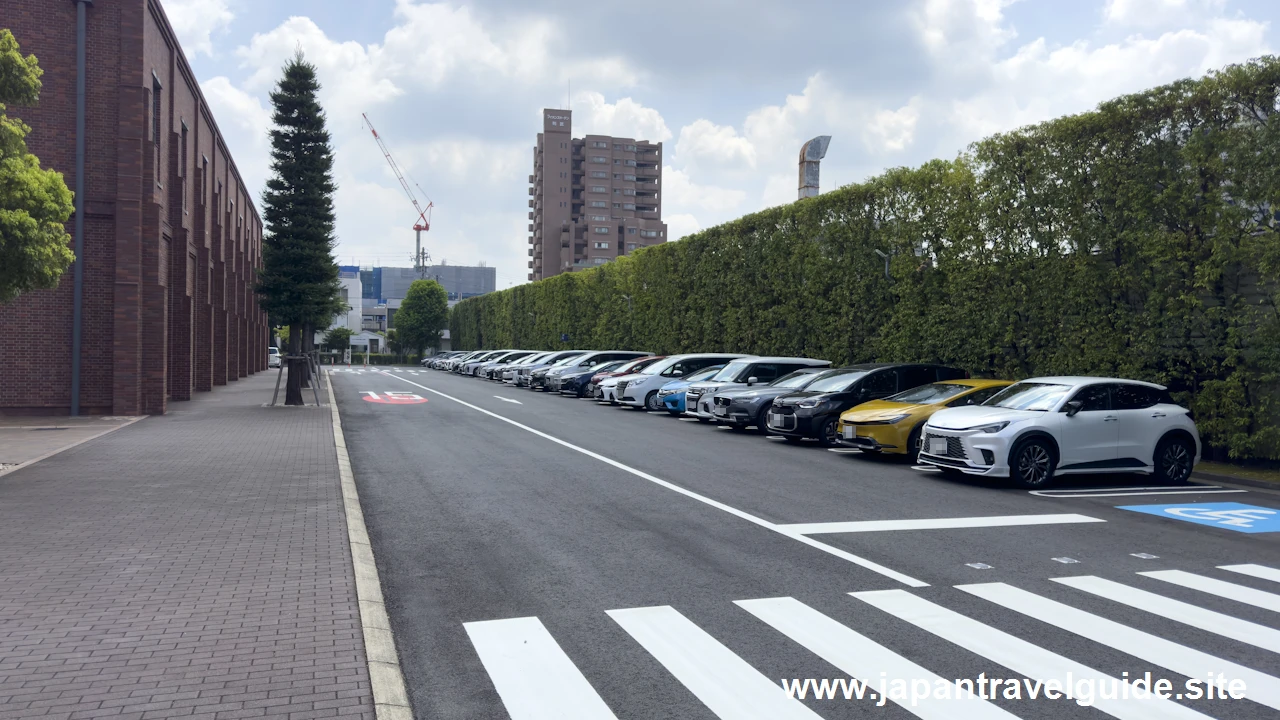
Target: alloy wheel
column 1034, row 464
column 1175, row 462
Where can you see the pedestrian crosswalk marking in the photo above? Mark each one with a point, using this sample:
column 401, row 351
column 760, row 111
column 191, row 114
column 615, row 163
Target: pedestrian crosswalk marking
column 1031, row 661
column 532, row 675
column 1215, row 622
column 1262, row 688
column 863, row 658
column 1259, row 571
column 724, row 682
column 1221, row 588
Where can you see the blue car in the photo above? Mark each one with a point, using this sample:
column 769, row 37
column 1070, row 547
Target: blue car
column 672, row 394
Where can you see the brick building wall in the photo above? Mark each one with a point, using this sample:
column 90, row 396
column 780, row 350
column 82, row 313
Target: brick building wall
column 172, row 240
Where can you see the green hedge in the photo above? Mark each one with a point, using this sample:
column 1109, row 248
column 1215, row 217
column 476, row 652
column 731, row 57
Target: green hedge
column 1137, row 240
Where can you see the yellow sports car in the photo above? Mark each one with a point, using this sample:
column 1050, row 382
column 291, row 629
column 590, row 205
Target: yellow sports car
column 892, row 425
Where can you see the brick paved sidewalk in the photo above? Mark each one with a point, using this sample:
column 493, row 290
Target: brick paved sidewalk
column 194, row 565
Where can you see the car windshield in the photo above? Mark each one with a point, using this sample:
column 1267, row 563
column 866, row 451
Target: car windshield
column 273, row 351
column 731, row 371
column 635, row 366
column 605, row 366
column 704, row 373
column 567, row 359
column 929, row 394
column 835, row 381
column 797, row 379
column 1029, row 396
column 658, row 367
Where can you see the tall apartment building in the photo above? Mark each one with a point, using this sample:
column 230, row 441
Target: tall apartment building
column 592, row 199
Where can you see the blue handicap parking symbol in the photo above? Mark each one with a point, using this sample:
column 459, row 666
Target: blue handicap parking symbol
column 1229, row 516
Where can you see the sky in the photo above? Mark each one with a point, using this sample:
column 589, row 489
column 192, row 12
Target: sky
column 732, row 88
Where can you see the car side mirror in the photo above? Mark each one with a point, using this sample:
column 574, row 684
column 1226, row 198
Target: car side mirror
column 1074, row 407
column 677, row 373
column 752, row 380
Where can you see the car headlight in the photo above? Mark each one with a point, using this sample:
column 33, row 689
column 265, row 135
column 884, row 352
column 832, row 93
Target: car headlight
column 893, row 420
column 810, row 403
column 992, row 428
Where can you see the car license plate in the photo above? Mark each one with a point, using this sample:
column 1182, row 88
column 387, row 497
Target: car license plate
column 848, row 432
column 938, row 446
column 775, row 418
column 721, row 410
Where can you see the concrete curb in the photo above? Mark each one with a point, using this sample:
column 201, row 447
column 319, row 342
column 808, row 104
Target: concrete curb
column 65, row 448
column 390, row 697
column 1234, row 480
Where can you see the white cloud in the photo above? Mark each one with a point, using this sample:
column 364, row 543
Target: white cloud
column 681, row 193
column 195, row 21
column 625, row 118
column 244, row 122
column 702, row 141
column 678, row 226
column 892, row 129
column 1157, row 13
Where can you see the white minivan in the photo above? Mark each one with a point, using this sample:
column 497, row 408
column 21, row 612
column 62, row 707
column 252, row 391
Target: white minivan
column 273, row 356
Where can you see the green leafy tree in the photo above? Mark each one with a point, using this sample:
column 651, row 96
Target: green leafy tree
column 423, row 316
column 34, row 203
column 298, row 283
column 338, row 338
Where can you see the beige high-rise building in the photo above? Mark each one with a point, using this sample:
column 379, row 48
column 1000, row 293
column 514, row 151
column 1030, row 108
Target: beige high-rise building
column 591, row 199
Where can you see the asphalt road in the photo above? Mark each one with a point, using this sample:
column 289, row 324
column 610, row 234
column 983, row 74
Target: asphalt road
column 588, row 561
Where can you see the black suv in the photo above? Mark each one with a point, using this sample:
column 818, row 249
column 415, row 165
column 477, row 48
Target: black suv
column 815, row 411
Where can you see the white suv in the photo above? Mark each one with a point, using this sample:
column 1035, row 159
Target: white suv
column 273, row 356
column 641, row 389
column 1039, row 428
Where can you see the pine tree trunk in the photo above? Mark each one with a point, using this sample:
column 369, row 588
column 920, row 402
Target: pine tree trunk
column 293, row 387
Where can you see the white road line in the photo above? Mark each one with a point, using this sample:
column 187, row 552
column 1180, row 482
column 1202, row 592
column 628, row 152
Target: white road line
column 837, row 552
column 505, row 399
column 1262, row 688
column 1261, row 572
column 1215, row 622
column 533, row 676
column 937, row 523
column 1230, row 591
column 724, row 682
column 1031, row 661
column 1117, row 492
column 863, row 658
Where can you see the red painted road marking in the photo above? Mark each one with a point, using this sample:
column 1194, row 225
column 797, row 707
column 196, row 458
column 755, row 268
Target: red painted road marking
column 393, row 398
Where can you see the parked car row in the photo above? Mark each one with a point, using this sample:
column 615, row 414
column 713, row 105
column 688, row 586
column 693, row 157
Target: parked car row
column 937, row 416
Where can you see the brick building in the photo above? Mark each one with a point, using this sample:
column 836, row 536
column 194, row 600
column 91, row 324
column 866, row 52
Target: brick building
column 592, row 199
column 171, row 236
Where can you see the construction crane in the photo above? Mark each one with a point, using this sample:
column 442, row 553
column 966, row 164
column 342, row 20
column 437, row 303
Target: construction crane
column 420, row 258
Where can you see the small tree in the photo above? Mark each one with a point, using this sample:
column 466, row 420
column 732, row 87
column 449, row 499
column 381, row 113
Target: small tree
column 298, row 283
column 422, row 316
column 34, row 203
column 338, row 338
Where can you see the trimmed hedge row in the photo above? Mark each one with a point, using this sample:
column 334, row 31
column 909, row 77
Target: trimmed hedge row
column 1137, row 240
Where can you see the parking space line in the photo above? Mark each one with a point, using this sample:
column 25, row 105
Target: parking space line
column 830, row 550
column 1125, row 492
column 937, row 523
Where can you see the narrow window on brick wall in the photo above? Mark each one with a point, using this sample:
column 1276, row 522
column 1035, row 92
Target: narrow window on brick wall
column 204, row 182
column 182, row 165
column 155, row 121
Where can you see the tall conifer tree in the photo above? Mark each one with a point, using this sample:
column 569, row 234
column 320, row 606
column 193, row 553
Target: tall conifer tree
column 299, row 284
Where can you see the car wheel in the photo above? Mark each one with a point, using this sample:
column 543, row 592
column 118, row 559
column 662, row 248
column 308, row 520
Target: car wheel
column 828, row 434
column 1174, row 460
column 762, row 422
column 651, row 401
column 1031, row 464
column 913, row 445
